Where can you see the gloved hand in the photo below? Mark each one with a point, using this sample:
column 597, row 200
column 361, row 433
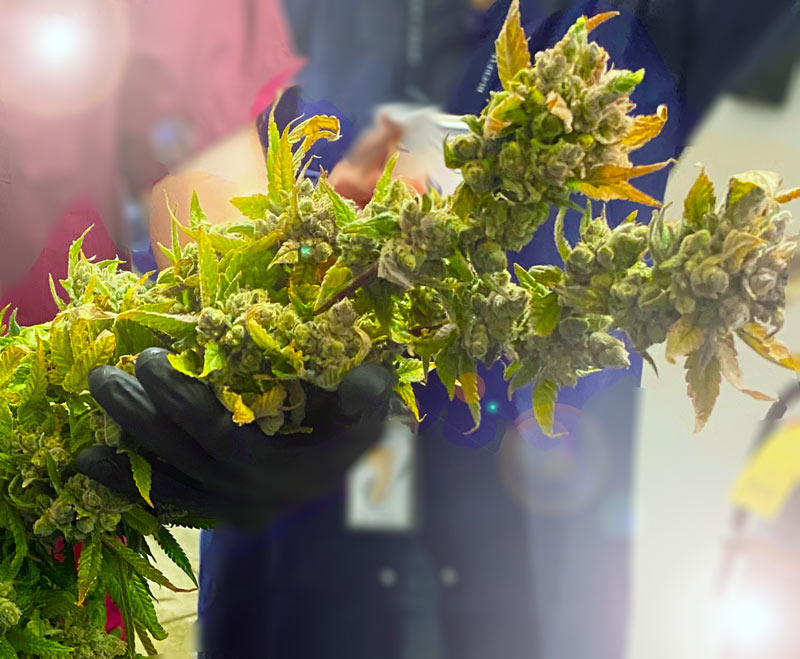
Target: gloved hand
column 206, row 464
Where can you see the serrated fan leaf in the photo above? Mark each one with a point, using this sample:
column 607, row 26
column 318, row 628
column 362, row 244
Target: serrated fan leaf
column 757, row 337
column 255, row 206
column 147, row 642
column 700, row 201
column 10, row 359
column 99, row 353
column 545, row 393
column 197, row 217
column 175, row 552
column 90, row 564
column 174, row 325
column 511, row 46
column 729, row 366
column 407, row 395
column 409, row 369
column 185, row 362
column 384, row 182
column 14, row 524
column 140, row 520
column 621, row 190
column 6, row 420
column 128, row 298
column 545, row 313
column 468, row 382
column 142, row 475
column 702, row 379
column 143, row 609
column 261, row 337
column 645, row 128
column 336, row 278
column 141, row 565
column 343, row 210
column 683, row 338
column 37, row 646
column 318, row 127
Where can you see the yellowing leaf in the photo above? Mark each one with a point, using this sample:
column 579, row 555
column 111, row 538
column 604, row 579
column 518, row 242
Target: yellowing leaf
column 406, row 392
column 729, row 365
column 469, row 387
column 336, row 278
column 598, row 19
column 645, row 128
column 608, row 174
column 702, row 379
column 499, row 116
column 511, row 46
column 622, row 190
column 60, row 304
column 269, row 403
column 10, row 358
column 683, row 338
column 99, row 353
column 261, row 336
column 234, row 403
column 315, row 128
column 788, row 196
column 756, row 336
column 545, row 393
column 184, row 363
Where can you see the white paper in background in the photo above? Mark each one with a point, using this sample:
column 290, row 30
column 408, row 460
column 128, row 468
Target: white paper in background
column 424, row 130
column 381, row 486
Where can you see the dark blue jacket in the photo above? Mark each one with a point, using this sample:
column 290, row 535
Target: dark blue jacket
column 523, row 546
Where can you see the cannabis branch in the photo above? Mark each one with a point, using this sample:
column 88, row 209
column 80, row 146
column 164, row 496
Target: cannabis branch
column 307, row 286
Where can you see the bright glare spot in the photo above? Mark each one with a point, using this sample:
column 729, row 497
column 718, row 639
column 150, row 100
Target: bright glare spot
column 58, row 39
column 747, row 620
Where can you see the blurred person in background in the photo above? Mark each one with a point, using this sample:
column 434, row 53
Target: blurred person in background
column 496, row 564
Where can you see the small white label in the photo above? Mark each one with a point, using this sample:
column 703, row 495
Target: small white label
column 381, row 486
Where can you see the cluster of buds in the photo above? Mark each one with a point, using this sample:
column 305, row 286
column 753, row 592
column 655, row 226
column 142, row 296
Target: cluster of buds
column 553, row 126
column 81, row 508
column 729, row 265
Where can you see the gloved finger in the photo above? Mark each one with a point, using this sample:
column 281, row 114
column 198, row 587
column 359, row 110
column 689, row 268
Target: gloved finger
column 107, row 467
column 193, row 406
column 125, row 400
column 363, row 404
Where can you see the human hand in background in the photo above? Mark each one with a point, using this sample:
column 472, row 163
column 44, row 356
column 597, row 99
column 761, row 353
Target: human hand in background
column 206, row 464
column 355, row 176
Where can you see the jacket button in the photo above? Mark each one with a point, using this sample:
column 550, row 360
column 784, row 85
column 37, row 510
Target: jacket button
column 387, row 577
column 448, row 576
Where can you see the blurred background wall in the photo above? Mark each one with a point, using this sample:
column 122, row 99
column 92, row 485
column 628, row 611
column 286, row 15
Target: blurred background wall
column 683, row 480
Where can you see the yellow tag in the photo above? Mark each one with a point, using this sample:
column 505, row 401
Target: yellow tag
column 768, row 480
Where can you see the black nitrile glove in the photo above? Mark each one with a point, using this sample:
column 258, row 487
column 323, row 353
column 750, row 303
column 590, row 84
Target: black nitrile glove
column 206, row 464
